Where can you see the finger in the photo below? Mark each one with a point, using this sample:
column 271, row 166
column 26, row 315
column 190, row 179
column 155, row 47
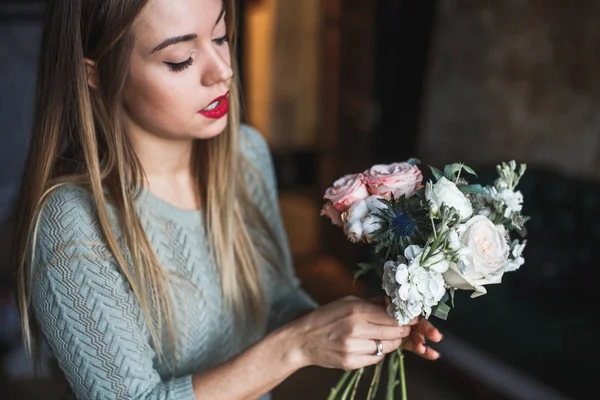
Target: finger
column 359, row 361
column 350, row 298
column 414, row 321
column 416, row 343
column 369, row 346
column 382, row 332
column 379, row 300
column 430, row 332
column 370, row 312
column 429, row 354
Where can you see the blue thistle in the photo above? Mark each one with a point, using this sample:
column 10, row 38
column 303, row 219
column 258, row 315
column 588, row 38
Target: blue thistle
column 402, row 224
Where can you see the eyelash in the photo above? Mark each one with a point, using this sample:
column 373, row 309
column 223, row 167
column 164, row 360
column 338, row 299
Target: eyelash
column 178, row 67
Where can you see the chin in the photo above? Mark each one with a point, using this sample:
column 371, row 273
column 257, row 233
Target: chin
column 213, row 129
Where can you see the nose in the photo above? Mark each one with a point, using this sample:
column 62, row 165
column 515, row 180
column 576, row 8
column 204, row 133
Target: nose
column 217, row 68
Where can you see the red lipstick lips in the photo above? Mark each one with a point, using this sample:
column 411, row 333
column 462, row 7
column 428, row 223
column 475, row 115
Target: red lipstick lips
column 218, row 108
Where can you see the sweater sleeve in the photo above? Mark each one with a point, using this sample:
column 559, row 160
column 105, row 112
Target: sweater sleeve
column 288, row 298
column 86, row 310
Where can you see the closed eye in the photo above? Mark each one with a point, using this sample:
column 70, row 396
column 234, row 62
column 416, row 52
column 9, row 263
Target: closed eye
column 178, row 67
column 222, row 40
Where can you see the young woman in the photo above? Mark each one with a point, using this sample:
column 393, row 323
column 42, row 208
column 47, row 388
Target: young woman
column 152, row 258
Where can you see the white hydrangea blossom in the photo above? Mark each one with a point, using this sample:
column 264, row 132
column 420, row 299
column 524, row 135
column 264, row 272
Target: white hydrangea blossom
column 413, row 288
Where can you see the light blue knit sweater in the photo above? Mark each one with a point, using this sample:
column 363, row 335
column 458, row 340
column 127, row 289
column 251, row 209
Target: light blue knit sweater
column 93, row 324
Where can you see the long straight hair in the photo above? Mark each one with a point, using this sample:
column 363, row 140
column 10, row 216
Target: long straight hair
column 78, row 138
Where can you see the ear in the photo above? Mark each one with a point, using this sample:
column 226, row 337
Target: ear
column 93, row 80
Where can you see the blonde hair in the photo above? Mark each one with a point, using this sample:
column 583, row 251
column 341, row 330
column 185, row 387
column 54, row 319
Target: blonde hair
column 79, row 139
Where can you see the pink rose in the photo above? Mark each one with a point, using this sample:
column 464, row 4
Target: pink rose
column 346, row 191
column 397, row 179
column 334, row 215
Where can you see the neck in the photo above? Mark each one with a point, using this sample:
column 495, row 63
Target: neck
column 167, row 166
column 164, row 159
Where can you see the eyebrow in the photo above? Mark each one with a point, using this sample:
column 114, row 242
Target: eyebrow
column 177, row 39
column 185, row 38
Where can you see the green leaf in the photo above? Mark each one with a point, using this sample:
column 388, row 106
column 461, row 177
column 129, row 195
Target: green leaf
column 472, row 189
column 451, row 170
column 363, row 268
column 470, row 170
column 445, row 298
column 452, row 292
column 436, row 173
column 441, row 311
column 413, row 161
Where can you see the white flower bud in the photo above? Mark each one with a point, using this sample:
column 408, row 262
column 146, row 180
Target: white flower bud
column 374, row 205
column 357, row 212
column 370, row 224
column 355, row 232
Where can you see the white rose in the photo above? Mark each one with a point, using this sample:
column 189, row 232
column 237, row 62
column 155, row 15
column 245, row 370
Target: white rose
column 446, row 192
column 484, row 256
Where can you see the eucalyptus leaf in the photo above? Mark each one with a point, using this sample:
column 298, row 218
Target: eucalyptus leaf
column 472, row 189
column 469, row 170
column 436, row 173
column 441, row 311
column 413, row 161
column 451, row 170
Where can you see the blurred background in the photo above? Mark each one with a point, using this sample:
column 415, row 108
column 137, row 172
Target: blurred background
column 338, row 85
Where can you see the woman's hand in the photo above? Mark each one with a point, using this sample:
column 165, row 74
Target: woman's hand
column 417, row 340
column 343, row 334
column 420, row 333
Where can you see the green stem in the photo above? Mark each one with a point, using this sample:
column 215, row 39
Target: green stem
column 391, row 384
column 402, row 375
column 336, row 390
column 360, row 374
column 350, row 385
column 375, row 381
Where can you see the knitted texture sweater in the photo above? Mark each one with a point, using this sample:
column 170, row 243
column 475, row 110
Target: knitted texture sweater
column 91, row 320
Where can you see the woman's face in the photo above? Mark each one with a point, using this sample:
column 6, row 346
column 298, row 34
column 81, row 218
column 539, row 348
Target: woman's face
column 180, row 70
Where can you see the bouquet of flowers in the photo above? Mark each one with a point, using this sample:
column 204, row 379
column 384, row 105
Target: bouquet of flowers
column 427, row 240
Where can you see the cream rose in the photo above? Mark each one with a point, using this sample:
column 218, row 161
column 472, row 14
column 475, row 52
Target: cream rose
column 446, row 192
column 346, row 191
column 397, row 179
column 484, row 256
